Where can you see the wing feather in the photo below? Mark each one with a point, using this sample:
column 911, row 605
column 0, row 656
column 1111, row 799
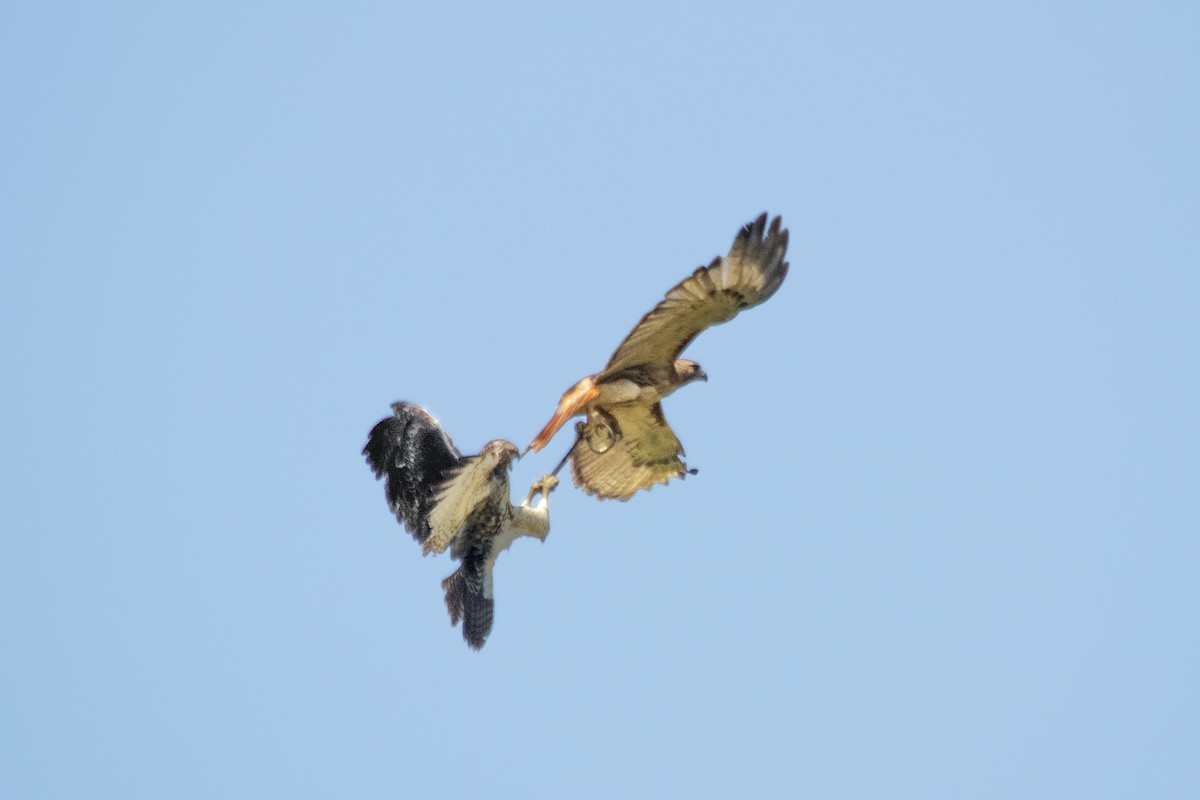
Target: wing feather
column 414, row 455
column 751, row 272
column 645, row 453
column 467, row 486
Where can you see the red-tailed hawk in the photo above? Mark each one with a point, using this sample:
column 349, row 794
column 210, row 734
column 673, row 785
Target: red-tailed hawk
column 624, row 443
column 445, row 499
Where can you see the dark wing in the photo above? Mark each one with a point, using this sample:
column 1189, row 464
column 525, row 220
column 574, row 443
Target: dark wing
column 645, row 452
column 414, row 455
column 750, row 274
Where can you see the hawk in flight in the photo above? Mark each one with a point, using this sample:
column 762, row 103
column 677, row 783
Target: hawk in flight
column 624, row 443
column 445, row 499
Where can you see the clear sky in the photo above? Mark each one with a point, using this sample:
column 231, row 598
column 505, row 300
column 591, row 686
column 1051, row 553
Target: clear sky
column 945, row 537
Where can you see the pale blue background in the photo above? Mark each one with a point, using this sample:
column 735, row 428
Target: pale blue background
column 945, row 539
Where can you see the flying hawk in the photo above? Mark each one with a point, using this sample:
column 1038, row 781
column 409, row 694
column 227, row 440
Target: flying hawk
column 624, row 443
column 445, row 499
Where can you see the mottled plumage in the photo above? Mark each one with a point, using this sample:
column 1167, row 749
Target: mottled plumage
column 445, row 499
column 625, row 444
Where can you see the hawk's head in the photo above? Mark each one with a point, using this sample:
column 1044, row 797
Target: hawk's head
column 505, row 452
column 687, row 371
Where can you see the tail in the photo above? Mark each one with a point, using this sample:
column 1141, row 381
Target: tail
column 465, row 602
column 574, row 401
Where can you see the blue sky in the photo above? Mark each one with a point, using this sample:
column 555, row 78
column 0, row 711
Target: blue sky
column 944, row 538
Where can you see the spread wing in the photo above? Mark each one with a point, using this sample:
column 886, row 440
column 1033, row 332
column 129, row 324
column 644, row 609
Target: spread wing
column 748, row 275
column 646, row 452
column 465, row 488
column 411, row 451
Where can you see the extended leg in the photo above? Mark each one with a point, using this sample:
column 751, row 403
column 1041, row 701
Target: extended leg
column 543, row 486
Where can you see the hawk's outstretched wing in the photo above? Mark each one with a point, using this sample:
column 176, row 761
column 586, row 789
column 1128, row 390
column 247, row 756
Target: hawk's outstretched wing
column 640, row 451
column 464, row 489
column 411, row 451
column 748, row 275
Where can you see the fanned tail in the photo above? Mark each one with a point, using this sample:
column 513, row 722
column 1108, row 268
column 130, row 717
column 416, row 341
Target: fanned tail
column 573, row 402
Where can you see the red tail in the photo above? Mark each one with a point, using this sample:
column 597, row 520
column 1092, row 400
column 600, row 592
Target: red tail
column 573, row 402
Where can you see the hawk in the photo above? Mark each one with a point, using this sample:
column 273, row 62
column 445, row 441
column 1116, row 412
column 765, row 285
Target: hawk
column 445, row 499
column 624, row 443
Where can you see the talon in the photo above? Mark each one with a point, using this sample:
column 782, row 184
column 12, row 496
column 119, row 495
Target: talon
column 601, row 433
column 543, row 486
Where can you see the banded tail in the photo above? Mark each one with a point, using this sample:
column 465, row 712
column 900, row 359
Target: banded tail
column 465, row 602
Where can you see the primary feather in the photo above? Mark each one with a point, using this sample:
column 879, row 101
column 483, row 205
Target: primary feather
column 749, row 274
column 414, row 454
